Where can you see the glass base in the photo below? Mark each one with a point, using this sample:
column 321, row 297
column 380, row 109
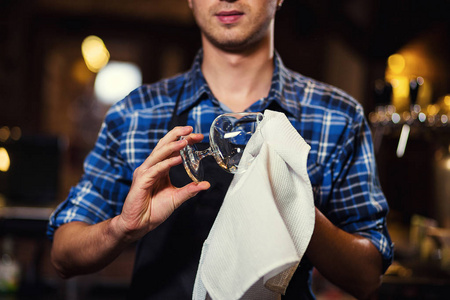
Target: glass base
column 191, row 162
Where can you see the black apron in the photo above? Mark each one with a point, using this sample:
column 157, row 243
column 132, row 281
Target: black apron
column 167, row 258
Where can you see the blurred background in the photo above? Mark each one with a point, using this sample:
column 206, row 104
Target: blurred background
column 57, row 57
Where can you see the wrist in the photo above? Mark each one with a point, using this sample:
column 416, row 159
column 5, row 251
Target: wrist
column 118, row 231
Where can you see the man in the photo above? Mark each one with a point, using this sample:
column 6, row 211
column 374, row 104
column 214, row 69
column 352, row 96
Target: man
column 134, row 188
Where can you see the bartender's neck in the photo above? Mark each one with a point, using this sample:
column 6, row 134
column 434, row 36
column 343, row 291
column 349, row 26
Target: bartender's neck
column 238, row 79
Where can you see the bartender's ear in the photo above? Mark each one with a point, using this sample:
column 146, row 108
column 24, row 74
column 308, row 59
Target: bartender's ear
column 279, row 4
column 190, row 4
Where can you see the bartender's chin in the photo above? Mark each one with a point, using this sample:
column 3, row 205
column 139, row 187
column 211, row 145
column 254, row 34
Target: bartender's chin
column 235, row 46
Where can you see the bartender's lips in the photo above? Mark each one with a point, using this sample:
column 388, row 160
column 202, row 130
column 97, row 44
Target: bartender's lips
column 229, row 17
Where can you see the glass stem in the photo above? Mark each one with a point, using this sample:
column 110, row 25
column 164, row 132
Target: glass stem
column 202, row 154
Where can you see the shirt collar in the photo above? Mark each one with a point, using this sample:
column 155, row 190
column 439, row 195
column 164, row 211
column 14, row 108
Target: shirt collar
column 196, row 88
column 281, row 90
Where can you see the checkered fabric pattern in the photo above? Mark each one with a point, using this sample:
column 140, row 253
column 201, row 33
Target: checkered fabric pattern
column 341, row 163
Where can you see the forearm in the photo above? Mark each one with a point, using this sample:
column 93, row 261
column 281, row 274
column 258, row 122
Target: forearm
column 348, row 260
column 79, row 248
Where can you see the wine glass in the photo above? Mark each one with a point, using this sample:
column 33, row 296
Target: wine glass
column 228, row 136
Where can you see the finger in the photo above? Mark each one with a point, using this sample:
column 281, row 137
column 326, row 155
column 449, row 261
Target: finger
column 160, row 169
column 174, row 148
column 166, row 150
column 169, row 146
column 194, row 138
column 173, row 135
column 163, row 153
column 189, row 191
column 191, row 139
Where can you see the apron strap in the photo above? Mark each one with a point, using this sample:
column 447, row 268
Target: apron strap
column 275, row 106
column 178, row 120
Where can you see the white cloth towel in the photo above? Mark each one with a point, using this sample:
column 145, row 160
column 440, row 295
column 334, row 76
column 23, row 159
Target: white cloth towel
column 266, row 221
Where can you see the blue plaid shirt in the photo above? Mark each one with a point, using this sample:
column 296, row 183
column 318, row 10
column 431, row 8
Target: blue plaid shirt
column 341, row 163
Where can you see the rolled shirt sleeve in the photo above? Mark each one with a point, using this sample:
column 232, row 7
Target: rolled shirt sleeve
column 350, row 192
column 100, row 193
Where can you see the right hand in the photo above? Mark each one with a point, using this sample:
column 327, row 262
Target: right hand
column 152, row 197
